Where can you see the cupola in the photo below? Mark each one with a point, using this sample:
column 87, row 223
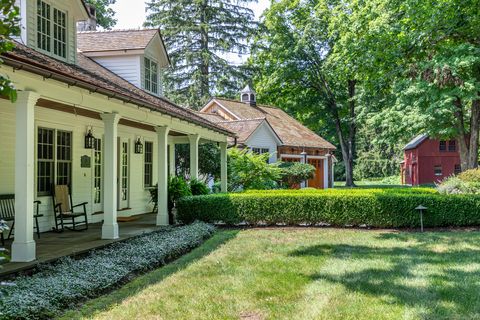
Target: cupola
column 248, row 95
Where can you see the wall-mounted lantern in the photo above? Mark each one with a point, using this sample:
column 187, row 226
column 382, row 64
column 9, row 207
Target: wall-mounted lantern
column 138, row 146
column 89, row 139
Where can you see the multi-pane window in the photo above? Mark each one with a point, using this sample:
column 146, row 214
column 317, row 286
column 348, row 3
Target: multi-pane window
column 260, row 150
column 45, row 160
column 97, row 178
column 59, row 33
column 43, row 26
column 437, row 170
column 151, row 75
column 148, row 164
column 452, row 146
column 457, row 169
column 443, row 145
column 54, row 159
column 51, row 29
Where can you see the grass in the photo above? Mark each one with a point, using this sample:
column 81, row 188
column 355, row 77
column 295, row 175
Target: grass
column 296, row 273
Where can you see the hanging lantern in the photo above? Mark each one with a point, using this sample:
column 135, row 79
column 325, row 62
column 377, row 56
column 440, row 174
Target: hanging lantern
column 138, row 146
column 89, row 140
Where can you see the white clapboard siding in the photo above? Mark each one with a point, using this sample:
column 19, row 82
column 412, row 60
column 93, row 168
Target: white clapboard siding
column 127, row 67
column 264, row 138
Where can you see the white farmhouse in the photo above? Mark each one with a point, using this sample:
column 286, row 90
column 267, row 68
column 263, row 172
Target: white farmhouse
column 91, row 118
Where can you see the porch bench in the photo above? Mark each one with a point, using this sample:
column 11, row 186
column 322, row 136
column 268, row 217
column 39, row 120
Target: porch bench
column 7, row 213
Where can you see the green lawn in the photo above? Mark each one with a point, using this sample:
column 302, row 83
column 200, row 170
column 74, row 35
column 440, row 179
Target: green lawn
column 308, row 274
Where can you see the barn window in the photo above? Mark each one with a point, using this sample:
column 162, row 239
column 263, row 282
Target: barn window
column 452, row 147
column 437, row 170
column 457, row 169
column 443, row 145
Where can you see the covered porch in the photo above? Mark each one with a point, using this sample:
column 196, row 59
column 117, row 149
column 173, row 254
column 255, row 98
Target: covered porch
column 114, row 180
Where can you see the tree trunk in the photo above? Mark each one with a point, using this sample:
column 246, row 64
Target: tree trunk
column 352, row 133
column 474, row 132
column 204, row 52
column 468, row 147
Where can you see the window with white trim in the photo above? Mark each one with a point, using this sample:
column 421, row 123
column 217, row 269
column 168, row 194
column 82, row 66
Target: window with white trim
column 260, row 150
column 54, row 159
column 51, row 29
column 148, row 165
column 437, row 170
column 151, row 75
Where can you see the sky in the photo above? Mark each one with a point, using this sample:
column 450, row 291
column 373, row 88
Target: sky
column 131, row 15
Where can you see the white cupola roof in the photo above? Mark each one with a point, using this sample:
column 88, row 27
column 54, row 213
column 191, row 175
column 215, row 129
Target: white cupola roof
column 248, row 95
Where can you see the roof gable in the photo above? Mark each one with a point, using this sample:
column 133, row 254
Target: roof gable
column 265, row 124
column 156, row 47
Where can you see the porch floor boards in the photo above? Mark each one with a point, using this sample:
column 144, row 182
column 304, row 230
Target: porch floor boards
column 52, row 246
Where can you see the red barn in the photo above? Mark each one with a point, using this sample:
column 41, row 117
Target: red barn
column 429, row 161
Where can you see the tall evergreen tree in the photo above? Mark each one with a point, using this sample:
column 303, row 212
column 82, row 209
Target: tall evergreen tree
column 202, row 37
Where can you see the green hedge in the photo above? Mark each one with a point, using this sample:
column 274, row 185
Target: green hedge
column 372, row 207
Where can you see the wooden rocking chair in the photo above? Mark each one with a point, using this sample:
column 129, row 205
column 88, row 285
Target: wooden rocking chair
column 64, row 210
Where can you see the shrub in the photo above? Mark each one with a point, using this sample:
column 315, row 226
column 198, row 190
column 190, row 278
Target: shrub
column 294, row 173
column 198, row 187
column 248, row 170
column 467, row 182
column 472, row 175
column 372, row 207
column 57, row 286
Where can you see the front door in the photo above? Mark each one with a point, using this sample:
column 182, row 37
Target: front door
column 98, row 176
column 123, row 173
column 317, row 180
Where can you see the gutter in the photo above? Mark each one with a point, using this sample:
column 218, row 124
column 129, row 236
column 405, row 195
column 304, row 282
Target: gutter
column 26, row 66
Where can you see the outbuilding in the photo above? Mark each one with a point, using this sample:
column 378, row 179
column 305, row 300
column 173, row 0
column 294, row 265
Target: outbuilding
column 428, row 161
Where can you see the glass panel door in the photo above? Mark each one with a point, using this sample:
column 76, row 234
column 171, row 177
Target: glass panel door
column 98, row 176
column 123, row 174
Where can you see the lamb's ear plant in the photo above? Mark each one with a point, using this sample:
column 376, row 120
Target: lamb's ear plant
column 68, row 281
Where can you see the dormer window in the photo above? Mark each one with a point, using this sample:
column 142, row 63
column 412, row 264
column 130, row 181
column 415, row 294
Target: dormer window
column 51, row 29
column 151, row 76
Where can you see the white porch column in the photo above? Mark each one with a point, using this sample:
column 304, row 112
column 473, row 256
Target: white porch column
column 223, row 166
column 325, row 172
column 171, row 161
column 23, row 247
column 110, row 198
column 194, row 139
column 162, row 138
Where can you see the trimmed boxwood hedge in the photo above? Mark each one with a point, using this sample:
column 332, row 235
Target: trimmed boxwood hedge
column 390, row 208
column 68, row 282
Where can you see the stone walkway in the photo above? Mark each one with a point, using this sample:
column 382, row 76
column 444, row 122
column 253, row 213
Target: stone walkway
column 53, row 245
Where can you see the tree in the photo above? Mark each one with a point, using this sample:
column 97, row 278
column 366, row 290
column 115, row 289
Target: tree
column 105, row 14
column 248, row 170
column 202, row 36
column 299, row 71
column 208, row 160
column 9, row 26
column 441, row 74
